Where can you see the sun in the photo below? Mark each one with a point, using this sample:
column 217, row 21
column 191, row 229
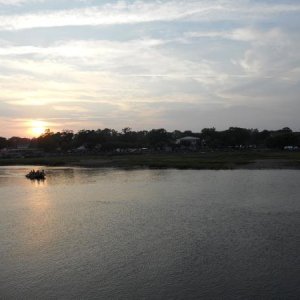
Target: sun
column 37, row 127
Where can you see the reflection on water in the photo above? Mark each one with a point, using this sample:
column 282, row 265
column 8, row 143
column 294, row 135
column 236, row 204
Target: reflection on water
column 35, row 226
column 149, row 234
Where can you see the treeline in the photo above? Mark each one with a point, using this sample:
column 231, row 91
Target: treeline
column 13, row 142
column 110, row 139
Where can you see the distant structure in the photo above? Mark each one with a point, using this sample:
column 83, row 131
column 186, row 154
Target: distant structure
column 188, row 142
column 20, row 152
column 188, row 139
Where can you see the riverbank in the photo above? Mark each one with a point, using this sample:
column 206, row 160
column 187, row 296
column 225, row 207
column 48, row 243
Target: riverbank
column 203, row 160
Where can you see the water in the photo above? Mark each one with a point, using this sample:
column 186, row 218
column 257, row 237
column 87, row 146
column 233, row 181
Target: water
column 150, row 234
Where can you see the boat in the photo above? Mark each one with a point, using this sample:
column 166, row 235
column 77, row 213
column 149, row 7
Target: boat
column 38, row 175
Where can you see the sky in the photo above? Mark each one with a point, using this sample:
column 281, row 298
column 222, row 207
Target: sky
column 186, row 65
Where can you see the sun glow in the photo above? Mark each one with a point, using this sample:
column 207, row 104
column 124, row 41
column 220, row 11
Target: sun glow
column 37, row 127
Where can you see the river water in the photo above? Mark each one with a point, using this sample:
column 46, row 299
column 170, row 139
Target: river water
column 150, row 234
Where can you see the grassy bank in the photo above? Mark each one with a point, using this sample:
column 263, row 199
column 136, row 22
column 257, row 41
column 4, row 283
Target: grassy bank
column 208, row 160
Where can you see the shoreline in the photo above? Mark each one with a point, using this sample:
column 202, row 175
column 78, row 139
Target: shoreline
column 218, row 160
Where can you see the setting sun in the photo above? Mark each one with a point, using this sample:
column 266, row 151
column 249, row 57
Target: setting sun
column 37, row 127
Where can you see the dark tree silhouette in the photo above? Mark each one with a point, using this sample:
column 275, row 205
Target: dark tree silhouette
column 157, row 139
column 3, row 142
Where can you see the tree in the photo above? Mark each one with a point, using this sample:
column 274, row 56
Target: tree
column 210, row 137
column 282, row 139
column 158, row 137
column 48, row 141
column 286, row 130
column 236, row 136
column 66, row 140
column 177, row 134
column 15, row 142
column 126, row 130
column 3, row 142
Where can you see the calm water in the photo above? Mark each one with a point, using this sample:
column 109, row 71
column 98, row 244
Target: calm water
column 150, row 234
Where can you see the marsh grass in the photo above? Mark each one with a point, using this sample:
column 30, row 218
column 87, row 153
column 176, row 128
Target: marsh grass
column 208, row 160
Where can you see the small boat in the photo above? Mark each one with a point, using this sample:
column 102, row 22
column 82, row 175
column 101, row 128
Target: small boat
column 38, row 175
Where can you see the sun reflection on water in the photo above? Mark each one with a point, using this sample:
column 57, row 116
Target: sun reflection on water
column 39, row 183
column 38, row 219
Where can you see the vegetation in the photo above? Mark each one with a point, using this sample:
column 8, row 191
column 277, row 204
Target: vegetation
column 229, row 149
column 208, row 160
column 108, row 140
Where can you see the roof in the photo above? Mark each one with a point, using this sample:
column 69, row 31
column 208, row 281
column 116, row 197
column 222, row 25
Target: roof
column 189, row 138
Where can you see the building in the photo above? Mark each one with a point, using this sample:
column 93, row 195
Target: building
column 188, row 143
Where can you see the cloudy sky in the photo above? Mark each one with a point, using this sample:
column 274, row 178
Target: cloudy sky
column 149, row 64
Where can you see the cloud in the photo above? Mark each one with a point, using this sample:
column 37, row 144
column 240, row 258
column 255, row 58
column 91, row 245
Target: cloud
column 18, row 2
column 65, row 108
column 136, row 58
column 67, row 73
column 244, row 34
column 269, row 52
column 82, row 48
column 190, row 69
column 145, row 11
column 272, row 53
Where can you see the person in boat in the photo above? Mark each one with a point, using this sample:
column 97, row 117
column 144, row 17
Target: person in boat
column 36, row 174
